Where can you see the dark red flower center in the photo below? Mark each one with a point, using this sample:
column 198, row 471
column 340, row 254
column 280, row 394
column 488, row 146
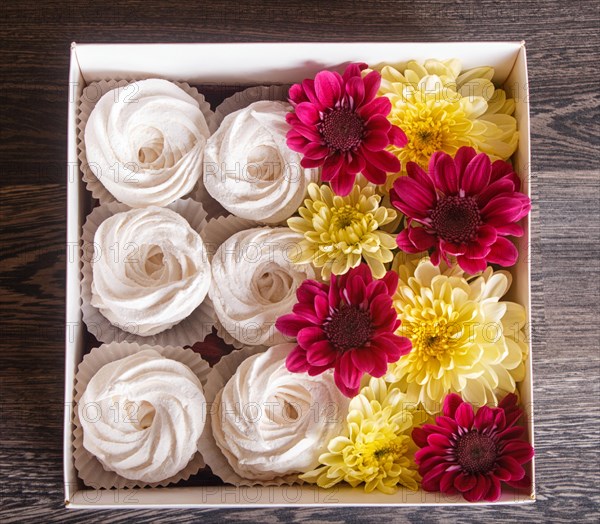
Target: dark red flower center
column 342, row 129
column 456, row 219
column 476, row 453
column 348, row 328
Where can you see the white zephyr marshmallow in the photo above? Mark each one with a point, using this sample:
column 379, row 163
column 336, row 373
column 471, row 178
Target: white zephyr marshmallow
column 254, row 282
column 145, row 143
column 250, row 170
column 150, row 270
column 270, row 422
column 142, row 416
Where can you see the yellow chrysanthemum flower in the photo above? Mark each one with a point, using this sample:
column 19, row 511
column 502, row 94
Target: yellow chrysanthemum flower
column 441, row 109
column 465, row 339
column 339, row 232
column 377, row 450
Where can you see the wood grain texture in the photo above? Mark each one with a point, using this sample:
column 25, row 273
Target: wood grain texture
column 562, row 44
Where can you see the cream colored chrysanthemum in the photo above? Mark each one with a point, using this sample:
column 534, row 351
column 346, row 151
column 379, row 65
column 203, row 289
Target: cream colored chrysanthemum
column 441, row 109
column 339, row 232
column 377, row 449
column 465, row 339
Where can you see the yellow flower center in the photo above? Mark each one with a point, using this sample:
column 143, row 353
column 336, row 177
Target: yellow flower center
column 431, row 124
column 374, row 457
column 346, row 216
column 431, row 338
column 392, row 450
column 426, row 136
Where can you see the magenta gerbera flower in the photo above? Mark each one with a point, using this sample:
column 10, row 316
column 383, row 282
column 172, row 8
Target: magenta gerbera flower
column 464, row 207
column 473, row 453
column 339, row 123
column 347, row 325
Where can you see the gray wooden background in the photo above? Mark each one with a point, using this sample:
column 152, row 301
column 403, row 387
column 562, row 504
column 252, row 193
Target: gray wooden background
column 562, row 44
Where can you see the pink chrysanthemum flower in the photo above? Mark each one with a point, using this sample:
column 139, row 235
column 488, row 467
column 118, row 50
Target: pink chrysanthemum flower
column 473, row 453
column 465, row 207
column 347, row 325
column 339, row 123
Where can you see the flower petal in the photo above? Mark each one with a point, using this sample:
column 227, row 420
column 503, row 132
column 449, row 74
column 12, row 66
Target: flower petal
column 328, row 87
column 372, row 82
column 378, row 106
column 503, row 169
column 342, row 183
column 353, row 69
column 315, row 151
column 462, row 158
column 465, row 482
column 493, row 190
column 494, row 491
column 321, row 354
column 421, row 238
column 519, row 450
column 480, row 489
column 309, row 336
column 439, row 441
column 363, row 360
column 380, row 307
column 356, row 164
column 376, row 140
column 355, row 88
column 515, row 230
column 476, row 176
column 451, row 404
column 374, row 174
column 391, row 281
column 291, row 324
column 510, row 464
column 307, row 113
column 296, row 360
column 404, row 242
column 321, row 305
column 397, row 137
column 308, row 163
column 453, row 249
column 464, row 415
column 412, row 198
column 356, row 288
column 471, row 266
column 486, row 235
column 503, row 252
column 443, row 172
column 297, row 94
column 502, row 210
column 484, row 418
column 295, row 141
column 332, row 167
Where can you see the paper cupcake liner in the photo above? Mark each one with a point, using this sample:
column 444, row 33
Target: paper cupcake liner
column 89, row 98
column 213, row 456
column 214, row 234
column 89, row 468
column 193, row 328
column 244, row 98
column 218, row 230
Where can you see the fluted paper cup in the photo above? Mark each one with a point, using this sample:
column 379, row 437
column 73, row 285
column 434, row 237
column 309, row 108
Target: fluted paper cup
column 193, row 328
column 234, row 103
column 89, row 468
column 90, row 97
column 213, row 456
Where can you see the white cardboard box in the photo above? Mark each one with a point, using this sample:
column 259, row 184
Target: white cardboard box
column 264, row 64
